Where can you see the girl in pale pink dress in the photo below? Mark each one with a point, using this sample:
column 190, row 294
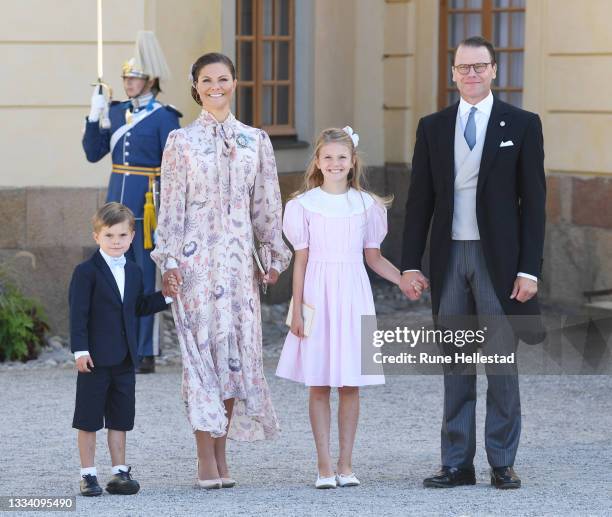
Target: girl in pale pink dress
column 330, row 223
column 219, row 188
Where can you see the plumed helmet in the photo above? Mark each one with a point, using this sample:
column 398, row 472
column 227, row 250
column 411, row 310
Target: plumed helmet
column 148, row 61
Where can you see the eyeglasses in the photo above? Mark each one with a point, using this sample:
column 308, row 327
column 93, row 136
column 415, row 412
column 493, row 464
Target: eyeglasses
column 479, row 68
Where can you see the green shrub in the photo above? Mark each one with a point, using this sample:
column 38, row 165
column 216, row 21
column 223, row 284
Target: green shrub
column 22, row 324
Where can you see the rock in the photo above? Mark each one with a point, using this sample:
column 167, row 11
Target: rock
column 55, row 342
column 50, row 362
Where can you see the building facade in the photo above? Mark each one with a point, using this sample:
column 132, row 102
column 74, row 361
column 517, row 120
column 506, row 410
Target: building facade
column 303, row 65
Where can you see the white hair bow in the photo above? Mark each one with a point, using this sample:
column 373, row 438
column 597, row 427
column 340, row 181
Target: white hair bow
column 354, row 136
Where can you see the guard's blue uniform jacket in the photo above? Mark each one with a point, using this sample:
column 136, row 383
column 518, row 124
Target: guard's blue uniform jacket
column 140, row 146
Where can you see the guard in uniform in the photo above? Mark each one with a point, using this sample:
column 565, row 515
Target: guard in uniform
column 135, row 139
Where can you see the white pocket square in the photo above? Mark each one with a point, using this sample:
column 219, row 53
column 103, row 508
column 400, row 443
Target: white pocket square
column 509, row 143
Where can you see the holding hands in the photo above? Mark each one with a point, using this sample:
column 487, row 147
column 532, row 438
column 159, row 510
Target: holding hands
column 171, row 282
column 412, row 284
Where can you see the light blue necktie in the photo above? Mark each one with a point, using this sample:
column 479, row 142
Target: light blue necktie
column 118, row 261
column 470, row 129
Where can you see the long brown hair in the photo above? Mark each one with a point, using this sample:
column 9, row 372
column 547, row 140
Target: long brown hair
column 313, row 177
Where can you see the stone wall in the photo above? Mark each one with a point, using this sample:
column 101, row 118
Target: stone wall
column 578, row 248
column 53, row 225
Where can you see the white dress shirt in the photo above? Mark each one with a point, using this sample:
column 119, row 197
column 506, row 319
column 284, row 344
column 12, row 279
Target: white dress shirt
column 117, row 271
column 481, row 117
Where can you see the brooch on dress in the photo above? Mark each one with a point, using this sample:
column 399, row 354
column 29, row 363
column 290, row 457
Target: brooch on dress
column 244, row 140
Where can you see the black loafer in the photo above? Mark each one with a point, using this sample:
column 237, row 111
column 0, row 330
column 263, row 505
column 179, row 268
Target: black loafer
column 504, row 478
column 449, row 477
column 89, row 486
column 123, row 484
column 147, row 364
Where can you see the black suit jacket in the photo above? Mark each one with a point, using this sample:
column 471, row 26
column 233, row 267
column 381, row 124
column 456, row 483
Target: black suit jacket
column 510, row 203
column 100, row 322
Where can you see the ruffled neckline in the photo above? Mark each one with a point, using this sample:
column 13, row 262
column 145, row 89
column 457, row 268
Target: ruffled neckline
column 223, row 132
column 208, row 119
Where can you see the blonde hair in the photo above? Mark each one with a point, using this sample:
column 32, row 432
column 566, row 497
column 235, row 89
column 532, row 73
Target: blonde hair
column 111, row 214
column 313, row 177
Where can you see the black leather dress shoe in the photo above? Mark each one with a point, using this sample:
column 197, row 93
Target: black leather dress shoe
column 504, row 477
column 123, row 484
column 89, row 486
column 449, row 477
column 147, row 364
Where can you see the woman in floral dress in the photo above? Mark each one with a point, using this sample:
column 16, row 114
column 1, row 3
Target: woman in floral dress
column 219, row 189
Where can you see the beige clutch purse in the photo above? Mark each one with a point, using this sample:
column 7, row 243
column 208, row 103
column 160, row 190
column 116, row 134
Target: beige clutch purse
column 262, row 260
column 308, row 312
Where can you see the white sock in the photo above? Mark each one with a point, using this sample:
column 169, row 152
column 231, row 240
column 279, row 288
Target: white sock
column 91, row 471
column 117, row 468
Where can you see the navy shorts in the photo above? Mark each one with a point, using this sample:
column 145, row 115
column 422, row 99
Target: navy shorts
column 106, row 397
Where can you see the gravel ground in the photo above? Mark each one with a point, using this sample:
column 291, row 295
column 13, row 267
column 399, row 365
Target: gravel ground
column 565, row 446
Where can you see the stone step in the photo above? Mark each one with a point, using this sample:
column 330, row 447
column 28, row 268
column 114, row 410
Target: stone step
column 597, row 310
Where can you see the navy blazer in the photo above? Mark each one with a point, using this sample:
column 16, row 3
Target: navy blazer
column 100, row 322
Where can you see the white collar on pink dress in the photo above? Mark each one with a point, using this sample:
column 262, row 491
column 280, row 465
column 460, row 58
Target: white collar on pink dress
column 353, row 202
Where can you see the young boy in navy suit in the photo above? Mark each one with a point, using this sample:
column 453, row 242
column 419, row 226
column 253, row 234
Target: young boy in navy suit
column 106, row 298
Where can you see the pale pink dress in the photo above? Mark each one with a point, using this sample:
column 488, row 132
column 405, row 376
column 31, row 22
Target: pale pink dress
column 335, row 229
column 219, row 186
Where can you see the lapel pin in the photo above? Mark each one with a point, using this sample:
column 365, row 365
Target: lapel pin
column 502, row 123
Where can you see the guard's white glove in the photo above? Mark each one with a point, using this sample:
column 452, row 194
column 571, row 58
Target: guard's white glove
column 98, row 105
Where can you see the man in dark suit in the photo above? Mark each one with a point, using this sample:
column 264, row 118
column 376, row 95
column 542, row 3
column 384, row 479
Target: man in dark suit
column 106, row 298
column 478, row 171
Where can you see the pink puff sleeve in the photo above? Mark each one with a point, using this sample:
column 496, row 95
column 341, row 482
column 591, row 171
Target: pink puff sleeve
column 295, row 225
column 376, row 226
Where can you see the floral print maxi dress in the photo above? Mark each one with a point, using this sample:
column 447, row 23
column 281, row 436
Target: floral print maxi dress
column 219, row 187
